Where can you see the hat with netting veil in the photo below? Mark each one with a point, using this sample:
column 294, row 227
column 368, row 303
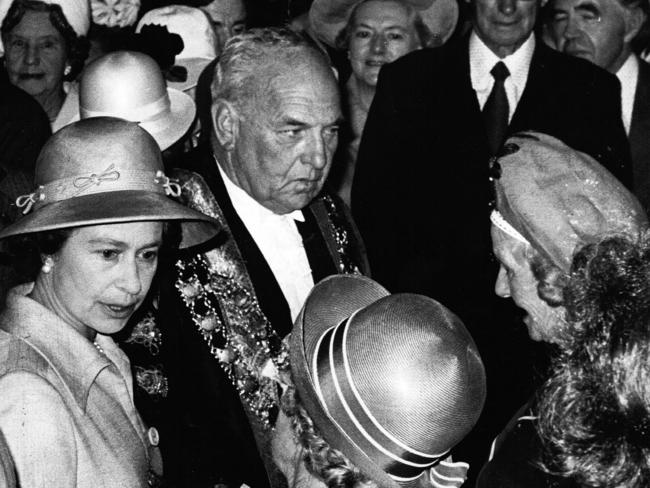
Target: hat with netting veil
column 104, row 171
column 392, row 381
column 559, row 199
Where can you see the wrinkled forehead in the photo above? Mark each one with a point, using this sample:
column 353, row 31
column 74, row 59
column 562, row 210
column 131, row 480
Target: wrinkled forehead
column 571, row 5
column 300, row 67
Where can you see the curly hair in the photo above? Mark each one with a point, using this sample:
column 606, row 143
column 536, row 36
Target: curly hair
column 595, row 409
column 424, row 34
column 77, row 47
column 551, row 280
column 323, row 461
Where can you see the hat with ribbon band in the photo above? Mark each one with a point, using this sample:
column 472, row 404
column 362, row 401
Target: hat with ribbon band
column 104, row 171
column 392, row 381
column 130, row 85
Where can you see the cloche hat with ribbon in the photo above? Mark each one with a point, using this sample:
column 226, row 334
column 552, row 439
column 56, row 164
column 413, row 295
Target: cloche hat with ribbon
column 104, row 171
column 391, row 381
column 130, row 85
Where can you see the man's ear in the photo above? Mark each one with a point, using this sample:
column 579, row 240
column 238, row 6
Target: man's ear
column 634, row 20
column 225, row 118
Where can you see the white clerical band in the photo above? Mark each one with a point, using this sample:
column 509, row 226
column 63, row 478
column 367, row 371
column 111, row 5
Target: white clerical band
column 497, row 219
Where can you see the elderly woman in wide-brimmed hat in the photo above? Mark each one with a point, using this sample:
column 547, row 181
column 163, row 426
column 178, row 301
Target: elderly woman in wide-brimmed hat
column 373, row 33
column 550, row 202
column 382, row 387
column 96, row 222
column 44, row 43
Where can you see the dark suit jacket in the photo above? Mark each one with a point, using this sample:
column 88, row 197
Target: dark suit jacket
column 214, row 442
column 518, row 455
column 421, row 193
column 640, row 136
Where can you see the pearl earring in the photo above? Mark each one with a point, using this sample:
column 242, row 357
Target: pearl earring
column 67, row 70
column 47, row 265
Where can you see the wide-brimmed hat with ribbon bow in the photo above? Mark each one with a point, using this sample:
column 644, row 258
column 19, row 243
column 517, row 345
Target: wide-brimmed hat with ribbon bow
column 327, row 18
column 104, row 171
column 130, row 85
column 391, row 381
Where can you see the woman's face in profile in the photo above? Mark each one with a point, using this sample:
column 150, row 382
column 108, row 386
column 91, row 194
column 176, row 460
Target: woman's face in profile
column 102, row 274
column 35, row 55
column 516, row 280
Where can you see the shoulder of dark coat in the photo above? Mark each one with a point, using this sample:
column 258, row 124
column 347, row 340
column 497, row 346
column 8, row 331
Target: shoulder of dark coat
column 574, row 70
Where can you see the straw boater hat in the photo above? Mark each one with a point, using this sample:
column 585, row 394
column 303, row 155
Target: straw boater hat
column 199, row 39
column 329, row 17
column 558, row 199
column 392, row 381
column 130, row 85
column 104, row 171
column 76, row 12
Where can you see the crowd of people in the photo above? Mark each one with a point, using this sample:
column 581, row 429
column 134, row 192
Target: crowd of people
column 392, row 243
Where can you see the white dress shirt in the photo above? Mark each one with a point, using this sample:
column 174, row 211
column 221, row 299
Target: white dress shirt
column 481, row 62
column 628, row 75
column 281, row 244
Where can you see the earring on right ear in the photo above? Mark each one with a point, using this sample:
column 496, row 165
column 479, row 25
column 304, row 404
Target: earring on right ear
column 47, row 265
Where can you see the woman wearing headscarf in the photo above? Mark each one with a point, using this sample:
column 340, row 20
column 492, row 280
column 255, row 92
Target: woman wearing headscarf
column 381, row 388
column 595, row 409
column 373, row 33
column 96, row 221
column 45, row 46
column 550, row 202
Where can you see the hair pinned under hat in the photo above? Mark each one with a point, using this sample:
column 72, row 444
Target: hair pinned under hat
column 103, row 171
column 76, row 12
column 391, row 381
column 559, row 199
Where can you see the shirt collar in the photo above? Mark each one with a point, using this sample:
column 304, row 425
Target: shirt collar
column 482, row 60
column 74, row 358
column 629, row 71
column 245, row 205
column 628, row 75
